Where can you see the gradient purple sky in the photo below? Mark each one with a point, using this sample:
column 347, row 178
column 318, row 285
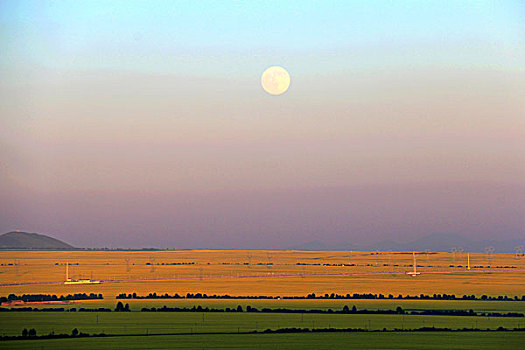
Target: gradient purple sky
column 128, row 126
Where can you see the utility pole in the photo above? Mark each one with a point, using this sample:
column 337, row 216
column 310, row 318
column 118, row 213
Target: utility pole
column 414, row 273
column 127, row 264
column 519, row 251
column 454, row 251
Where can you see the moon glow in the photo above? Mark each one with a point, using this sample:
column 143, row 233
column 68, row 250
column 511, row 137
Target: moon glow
column 275, row 80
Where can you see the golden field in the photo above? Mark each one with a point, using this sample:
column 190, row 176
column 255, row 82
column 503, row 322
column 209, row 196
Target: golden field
column 250, row 272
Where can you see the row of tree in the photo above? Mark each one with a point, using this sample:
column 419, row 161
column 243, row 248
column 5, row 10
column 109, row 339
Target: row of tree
column 31, row 333
column 421, row 329
column 322, row 296
column 49, row 297
column 345, row 310
column 120, row 307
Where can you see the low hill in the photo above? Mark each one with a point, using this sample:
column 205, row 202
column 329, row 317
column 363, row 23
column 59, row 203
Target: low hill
column 25, row 240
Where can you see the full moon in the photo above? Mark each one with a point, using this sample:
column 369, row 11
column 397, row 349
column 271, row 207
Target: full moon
column 275, row 80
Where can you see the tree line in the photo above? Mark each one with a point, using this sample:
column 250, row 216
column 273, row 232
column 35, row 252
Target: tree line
column 120, row 307
column 32, row 334
column 322, row 296
column 49, row 297
column 345, row 310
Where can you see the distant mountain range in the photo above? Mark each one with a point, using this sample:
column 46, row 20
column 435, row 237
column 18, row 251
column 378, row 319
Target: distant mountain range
column 434, row 242
column 25, row 240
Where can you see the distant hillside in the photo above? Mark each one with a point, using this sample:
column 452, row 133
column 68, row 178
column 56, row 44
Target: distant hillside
column 25, row 240
column 313, row 245
column 447, row 242
column 433, row 242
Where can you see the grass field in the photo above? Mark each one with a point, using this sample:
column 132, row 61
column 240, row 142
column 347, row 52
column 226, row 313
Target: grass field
column 192, row 322
column 321, row 304
column 328, row 341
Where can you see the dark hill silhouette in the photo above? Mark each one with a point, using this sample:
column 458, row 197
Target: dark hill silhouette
column 25, row 240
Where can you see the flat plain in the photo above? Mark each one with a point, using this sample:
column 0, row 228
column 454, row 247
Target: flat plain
column 264, row 273
column 271, row 273
column 143, row 323
column 383, row 341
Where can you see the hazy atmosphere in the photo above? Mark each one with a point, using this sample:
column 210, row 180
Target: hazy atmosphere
column 135, row 126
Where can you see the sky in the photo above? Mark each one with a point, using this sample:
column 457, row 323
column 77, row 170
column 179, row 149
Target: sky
column 144, row 123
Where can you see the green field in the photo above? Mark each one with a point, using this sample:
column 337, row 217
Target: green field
column 385, row 341
column 322, row 304
column 193, row 322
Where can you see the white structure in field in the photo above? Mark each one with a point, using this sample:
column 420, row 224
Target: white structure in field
column 79, row 281
column 414, row 273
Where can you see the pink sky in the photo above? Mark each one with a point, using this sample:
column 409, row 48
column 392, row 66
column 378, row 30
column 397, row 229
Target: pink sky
column 134, row 125
column 113, row 159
